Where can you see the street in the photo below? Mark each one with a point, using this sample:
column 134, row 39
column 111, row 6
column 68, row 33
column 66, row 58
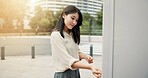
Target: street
column 40, row 67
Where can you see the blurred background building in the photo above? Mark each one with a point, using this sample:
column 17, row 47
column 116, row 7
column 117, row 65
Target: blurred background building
column 26, row 10
column 86, row 6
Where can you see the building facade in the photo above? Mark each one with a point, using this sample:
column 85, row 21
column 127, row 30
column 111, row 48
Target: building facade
column 124, row 39
column 86, row 6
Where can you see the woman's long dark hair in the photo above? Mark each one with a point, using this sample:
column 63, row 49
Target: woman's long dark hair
column 76, row 29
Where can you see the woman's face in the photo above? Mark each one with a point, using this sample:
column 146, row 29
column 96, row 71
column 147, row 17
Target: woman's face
column 71, row 20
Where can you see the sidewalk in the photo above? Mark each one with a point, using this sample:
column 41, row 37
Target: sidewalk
column 40, row 67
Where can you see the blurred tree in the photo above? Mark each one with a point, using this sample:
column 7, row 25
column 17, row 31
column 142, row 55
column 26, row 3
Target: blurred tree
column 100, row 18
column 44, row 24
column 57, row 15
column 86, row 23
column 50, row 16
column 35, row 20
column 43, row 19
column 12, row 9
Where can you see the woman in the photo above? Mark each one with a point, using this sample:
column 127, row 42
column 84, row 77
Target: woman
column 65, row 39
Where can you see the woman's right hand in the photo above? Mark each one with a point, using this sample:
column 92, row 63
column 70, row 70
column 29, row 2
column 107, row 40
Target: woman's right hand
column 96, row 72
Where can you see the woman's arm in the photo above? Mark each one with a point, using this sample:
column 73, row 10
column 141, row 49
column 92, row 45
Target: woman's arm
column 95, row 71
column 88, row 58
column 82, row 56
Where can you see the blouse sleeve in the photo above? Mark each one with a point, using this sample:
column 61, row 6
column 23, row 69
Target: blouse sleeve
column 59, row 51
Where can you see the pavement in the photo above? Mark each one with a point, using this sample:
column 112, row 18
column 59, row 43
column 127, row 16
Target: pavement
column 23, row 66
column 39, row 67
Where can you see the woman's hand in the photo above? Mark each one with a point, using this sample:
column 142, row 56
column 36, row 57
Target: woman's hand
column 89, row 59
column 96, row 72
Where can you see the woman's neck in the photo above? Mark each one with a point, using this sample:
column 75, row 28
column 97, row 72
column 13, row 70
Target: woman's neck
column 66, row 30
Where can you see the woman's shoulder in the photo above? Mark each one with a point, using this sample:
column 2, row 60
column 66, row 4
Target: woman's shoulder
column 55, row 34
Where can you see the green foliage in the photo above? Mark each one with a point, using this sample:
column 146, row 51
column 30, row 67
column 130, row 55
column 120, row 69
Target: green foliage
column 44, row 23
column 44, row 19
column 34, row 22
column 50, row 17
column 92, row 25
column 86, row 19
column 57, row 15
column 100, row 18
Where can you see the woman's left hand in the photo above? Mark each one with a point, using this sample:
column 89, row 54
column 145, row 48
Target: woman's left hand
column 89, row 59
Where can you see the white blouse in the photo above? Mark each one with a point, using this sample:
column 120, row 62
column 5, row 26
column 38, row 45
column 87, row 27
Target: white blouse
column 64, row 51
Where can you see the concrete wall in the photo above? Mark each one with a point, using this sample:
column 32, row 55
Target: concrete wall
column 125, row 39
column 22, row 45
